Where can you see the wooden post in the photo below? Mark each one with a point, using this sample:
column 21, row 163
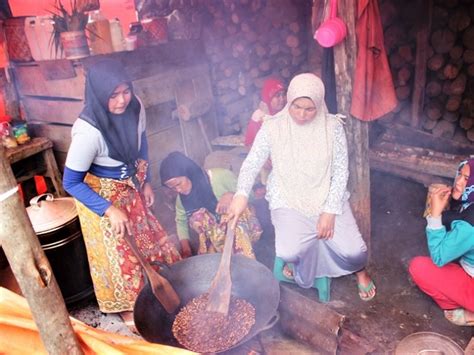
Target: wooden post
column 357, row 131
column 422, row 39
column 31, row 268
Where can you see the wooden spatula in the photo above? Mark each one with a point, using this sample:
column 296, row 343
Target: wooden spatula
column 219, row 292
column 160, row 286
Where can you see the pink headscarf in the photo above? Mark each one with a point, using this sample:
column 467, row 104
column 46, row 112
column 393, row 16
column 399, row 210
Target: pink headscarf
column 270, row 88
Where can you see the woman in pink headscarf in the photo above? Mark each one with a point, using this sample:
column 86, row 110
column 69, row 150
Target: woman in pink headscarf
column 273, row 100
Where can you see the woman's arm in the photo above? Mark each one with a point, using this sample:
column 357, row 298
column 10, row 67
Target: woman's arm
column 182, row 229
column 446, row 246
column 339, row 172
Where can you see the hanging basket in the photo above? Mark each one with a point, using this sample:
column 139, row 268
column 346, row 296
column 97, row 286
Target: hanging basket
column 17, row 43
column 74, row 44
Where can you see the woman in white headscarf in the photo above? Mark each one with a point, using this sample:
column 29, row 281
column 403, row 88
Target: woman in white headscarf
column 314, row 226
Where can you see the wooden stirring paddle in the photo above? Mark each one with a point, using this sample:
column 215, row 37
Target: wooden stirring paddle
column 160, row 286
column 219, row 292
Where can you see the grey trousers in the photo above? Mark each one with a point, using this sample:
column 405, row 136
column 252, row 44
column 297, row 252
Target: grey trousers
column 296, row 242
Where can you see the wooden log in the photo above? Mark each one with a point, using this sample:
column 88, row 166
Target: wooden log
column 450, row 71
column 429, row 124
column 436, row 62
column 392, row 36
column 309, row 321
column 443, row 40
column 417, row 159
column 470, row 134
column 456, row 52
column 459, row 21
column 468, row 56
column 440, row 17
column 358, row 139
column 422, row 36
column 403, row 76
column 396, row 61
column 444, row 129
column 434, row 110
column 433, row 88
column 466, row 123
column 451, row 116
column 458, row 86
column 292, row 41
column 468, row 38
column 32, row 269
column 406, row 53
column 403, row 92
column 453, row 103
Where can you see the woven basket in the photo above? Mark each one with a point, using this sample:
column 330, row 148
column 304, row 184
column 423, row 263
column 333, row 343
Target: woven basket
column 17, row 43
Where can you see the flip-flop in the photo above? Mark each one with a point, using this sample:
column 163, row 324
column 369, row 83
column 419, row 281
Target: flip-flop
column 366, row 289
column 458, row 317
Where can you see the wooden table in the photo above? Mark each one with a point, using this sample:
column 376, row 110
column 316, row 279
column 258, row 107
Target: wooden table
column 39, row 159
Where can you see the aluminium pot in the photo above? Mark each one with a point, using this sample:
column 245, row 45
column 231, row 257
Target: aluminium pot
column 56, row 223
column 192, row 277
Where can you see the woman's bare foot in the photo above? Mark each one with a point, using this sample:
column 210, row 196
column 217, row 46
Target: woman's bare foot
column 460, row 316
column 365, row 285
column 288, row 272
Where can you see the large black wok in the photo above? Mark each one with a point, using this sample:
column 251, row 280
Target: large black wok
column 192, row 277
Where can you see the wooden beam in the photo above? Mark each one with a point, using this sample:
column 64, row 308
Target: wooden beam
column 422, row 47
column 357, row 131
column 32, row 269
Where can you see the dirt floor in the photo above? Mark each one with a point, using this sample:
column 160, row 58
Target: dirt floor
column 399, row 308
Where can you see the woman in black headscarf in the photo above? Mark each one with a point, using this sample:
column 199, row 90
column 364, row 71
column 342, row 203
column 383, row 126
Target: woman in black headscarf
column 202, row 205
column 107, row 173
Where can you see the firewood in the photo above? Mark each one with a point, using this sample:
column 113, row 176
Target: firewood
column 433, row 110
column 470, row 134
column 453, row 103
column 429, row 124
column 443, row 40
column 388, row 13
column 405, row 115
column 265, row 66
column 292, row 41
column 403, row 92
column 468, row 56
column 274, row 49
column 294, row 27
column 231, row 29
column 285, row 73
column 440, row 17
column 406, row 53
column 470, row 70
column 396, row 60
column 392, row 36
column 444, row 129
column 296, row 52
column 255, row 5
column 242, row 90
column 436, row 62
column 466, row 123
column 433, row 88
column 451, row 116
column 468, row 37
column 456, row 52
column 459, row 21
column 458, row 86
column 461, row 137
column 403, row 76
column 261, row 50
column 451, row 71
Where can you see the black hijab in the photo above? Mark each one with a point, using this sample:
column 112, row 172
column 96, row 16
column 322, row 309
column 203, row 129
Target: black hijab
column 177, row 164
column 119, row 131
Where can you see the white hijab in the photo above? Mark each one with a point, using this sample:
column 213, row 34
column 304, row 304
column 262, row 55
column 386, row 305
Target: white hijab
column 302, row 154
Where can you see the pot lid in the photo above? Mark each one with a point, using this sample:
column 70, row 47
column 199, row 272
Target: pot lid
column 48, row 213
column 428, row 343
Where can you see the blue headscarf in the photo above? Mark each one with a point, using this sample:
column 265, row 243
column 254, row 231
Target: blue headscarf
column 467, row 197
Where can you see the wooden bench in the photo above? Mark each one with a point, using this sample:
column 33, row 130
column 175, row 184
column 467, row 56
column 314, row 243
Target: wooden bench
column 35, row 158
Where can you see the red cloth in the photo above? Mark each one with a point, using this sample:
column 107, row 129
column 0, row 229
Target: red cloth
column 270, row 88
column 373, row 93
column 449, row 286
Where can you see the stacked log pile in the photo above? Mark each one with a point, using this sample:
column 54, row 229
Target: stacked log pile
column 248, row 41
column 449, row 93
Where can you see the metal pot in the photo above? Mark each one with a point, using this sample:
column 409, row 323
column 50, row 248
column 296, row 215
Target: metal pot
column 56, row 224
column 192, row 277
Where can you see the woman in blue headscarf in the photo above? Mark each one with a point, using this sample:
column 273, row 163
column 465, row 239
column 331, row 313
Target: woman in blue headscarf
column 107, row 173
column 448, row 275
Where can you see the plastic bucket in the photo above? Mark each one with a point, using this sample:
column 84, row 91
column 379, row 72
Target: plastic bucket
column 74, row 44
column 331, row 32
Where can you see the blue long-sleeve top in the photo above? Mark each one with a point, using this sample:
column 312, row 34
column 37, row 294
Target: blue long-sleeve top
column 447, row 246
column 88, row 153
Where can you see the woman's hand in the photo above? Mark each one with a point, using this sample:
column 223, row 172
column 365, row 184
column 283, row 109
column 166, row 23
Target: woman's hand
column 186, row 251
column 439, row 200
column 325, row 227
column 148, row 194
column 119, row 221
column 236, row 208
column 224, row 202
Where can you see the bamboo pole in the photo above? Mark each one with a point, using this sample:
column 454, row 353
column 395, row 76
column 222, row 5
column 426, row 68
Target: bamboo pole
column 357, row 131
column 31, row 268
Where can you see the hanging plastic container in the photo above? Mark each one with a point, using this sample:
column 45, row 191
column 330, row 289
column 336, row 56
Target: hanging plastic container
column 100, row 38
column 332, row 31
column 116, row 35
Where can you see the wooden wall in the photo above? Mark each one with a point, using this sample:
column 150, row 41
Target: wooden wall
column 51, row 97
